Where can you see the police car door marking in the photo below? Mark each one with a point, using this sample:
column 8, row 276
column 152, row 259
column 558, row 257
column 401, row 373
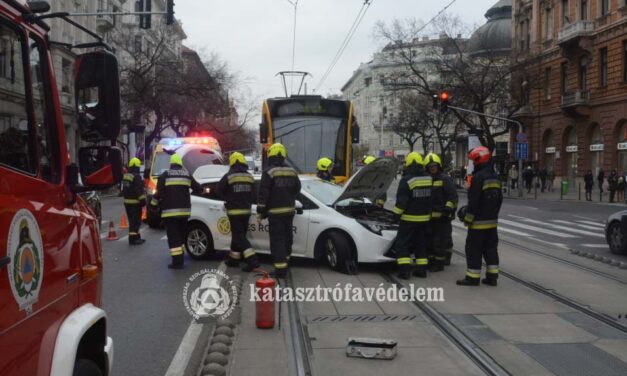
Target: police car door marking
column 25, row 248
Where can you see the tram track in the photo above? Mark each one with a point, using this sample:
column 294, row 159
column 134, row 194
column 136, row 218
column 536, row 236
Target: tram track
column 301, row 348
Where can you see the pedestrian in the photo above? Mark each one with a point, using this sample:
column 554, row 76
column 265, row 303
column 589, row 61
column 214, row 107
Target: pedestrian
column 513, row 176
column 588, row 181
column 612, row 182
column 550, row 179
column 278, row 190
column 413, row 207
column 620, row 190
column 173, row 197
column 542, row 174
column 601, row 179
column 134, row 200
column 324, row 169
column 444, row 204
column 481, row 217
column 237, row 188
column 528, row 178
column 381, row 200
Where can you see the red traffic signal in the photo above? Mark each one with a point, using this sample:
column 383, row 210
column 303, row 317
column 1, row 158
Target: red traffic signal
column 444, row 97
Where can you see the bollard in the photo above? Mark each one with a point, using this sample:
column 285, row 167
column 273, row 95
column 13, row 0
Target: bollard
column 579, row 191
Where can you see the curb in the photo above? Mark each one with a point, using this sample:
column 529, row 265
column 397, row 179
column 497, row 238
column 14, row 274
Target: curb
column 599, row 258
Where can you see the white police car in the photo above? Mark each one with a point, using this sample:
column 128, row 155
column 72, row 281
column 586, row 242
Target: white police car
column 333, row 222
column 615, row 233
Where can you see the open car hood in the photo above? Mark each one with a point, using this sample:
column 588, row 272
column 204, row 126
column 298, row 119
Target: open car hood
column 207, row 173
column 371, row 181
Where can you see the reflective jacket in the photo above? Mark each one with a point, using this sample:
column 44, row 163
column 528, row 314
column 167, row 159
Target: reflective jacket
column 484, row 199
column 444, row 196
column 133, row 188
column 173, row 195
column 278, row 190
column 326, row 175
column 414, row 196
column 237, row 188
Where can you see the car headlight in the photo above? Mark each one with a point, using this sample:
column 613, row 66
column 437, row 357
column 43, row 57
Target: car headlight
column 376, row 227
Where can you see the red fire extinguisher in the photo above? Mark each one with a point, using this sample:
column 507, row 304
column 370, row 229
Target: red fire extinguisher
column 264, row 307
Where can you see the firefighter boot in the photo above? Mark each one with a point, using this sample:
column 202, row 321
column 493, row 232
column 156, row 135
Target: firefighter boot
column 404, row 272
column 177, row 262
column 448, row 254
column 231, row 259
column 251, row 264
column 468, row 281
column 436, row 265
column 420, row 271
column 137, row 241
column 490, row 279
column 279, row 273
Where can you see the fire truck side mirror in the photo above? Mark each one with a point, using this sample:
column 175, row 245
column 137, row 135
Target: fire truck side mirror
column 263, row 133
column 355, row 133
column 100, row 167
column 97, row 91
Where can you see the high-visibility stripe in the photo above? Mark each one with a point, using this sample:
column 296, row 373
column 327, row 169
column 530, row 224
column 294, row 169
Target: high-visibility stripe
column 473, row 275
column 282, row 210
column 131, row 201
column 133, row 233
column 238, row 212
column 451, row 204
column 241, row 179
column 415, row 218
column 438, row 183
column 154, row 202
column 439, row 258
column 483, row 225
column 280, row 265
column 142, row 197
column 493, row 269
column 419, row 183
column 398, row 210
column 235, row 255
column 128, row 177
column 178, row 181
column 176, row 251
column 436, row 214
column 422, row 261
column 491, row 186
column 403, row 261
column 176, row 212
column 380, row 201
column 249, row 252
column 469, row 217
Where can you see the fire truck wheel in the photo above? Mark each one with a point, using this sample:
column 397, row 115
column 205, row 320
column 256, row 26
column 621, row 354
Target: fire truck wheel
column 86, row 367
column 337, row 250
column 198, row 241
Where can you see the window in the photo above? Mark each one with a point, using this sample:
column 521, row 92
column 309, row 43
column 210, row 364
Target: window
column 605, row 7
column 583, row 10
column 66, row 76
column 47, row 138
column 547, row 83
column 565, row 19
column 367, row 81
column 625, row 61
column 549, row 23
column 5, row 53
column 564, row 81
column 17, row 149
column 603, row 66
column 583, row 73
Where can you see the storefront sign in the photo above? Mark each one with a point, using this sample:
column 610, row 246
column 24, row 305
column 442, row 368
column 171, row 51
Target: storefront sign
column 550, row 150
column 596, row 147
column 622, row 146
column 571, row 149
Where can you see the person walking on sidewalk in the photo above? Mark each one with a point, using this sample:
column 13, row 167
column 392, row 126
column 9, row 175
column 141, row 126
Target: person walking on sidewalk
column 134, row 200
column 481, row 217
column 173, row 196
column 620, row 189
column 588, row 181
column 550, row 179
column 413, row 206
column 601, row 179
column 278, row 190
column 528, row 178
column 612, row 183
column 542, row 175
column 237, row 188
column 513, row 176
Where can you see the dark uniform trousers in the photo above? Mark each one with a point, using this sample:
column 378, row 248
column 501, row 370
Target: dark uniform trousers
column 482, row 243
column 134, row 214
column 281, row 239
column 240, row 246
column 412, row 239
column 176, row 228
column 440, row 238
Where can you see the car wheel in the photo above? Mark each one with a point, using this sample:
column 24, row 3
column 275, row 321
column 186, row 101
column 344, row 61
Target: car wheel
column 198, row 241
column 86, row 367
column 338, row 252
column 616, row 239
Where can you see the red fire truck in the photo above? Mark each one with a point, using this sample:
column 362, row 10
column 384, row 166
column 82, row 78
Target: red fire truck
column 51, row 320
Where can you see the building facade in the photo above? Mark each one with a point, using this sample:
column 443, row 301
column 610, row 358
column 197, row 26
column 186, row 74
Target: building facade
column 573, row 54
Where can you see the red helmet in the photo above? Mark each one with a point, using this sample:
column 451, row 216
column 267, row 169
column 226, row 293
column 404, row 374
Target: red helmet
column 480, row 155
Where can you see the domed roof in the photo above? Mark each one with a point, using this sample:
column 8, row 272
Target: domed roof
column 495, row 36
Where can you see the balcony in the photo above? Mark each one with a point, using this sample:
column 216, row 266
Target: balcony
column 575, row 36
column 104, row 22
column 576, row 103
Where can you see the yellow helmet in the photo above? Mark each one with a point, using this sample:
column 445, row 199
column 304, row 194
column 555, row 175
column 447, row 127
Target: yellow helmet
column 369, row 159
column 237, row 157
column 134, row 162
column 433, row 158
column 413, row 157
column 324, row 163
column 175, row 159
column 277, row 150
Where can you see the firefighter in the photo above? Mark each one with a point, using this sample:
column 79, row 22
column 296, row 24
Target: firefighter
column 413, row 206
column 173, row 196
column 379, row 201
column 237, row 188
column 324, row 169
column 278, row 190
column 444, row 205
column 481, row 217
column 134, row 200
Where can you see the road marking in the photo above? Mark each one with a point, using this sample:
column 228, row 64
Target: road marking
column 582, row 217
column 558, row 227
column 179, row 363
column 594, row 245
column 537, row 229
column 576, row 224
column 593, row 223
column 500, row 228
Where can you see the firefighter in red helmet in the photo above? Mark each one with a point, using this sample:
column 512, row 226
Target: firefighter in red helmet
column 481, row 216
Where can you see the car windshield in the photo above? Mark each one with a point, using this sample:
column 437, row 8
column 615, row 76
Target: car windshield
column 161, row 163
column 200, row 157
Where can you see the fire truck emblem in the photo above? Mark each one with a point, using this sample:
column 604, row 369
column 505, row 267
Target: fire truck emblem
column 25, row 247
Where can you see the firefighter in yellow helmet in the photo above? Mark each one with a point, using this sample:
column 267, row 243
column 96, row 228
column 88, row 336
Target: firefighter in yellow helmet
column 413, row 206
column 324, row 169
column 379, row 201
column 237, row 188
column 134, row 200
column 444, row 205
column 278, row 190
column 173, row 196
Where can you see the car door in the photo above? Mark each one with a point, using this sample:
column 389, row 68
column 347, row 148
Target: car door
column 218, row 221
column 301, row 227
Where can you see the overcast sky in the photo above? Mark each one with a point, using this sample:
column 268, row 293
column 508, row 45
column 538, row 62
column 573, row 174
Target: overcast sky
column 255, row 36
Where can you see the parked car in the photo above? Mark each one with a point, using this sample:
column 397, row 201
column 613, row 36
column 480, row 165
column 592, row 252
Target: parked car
column 339, row 224
column 616, row 233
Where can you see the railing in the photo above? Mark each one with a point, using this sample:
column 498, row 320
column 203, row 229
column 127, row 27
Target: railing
column 574, row 30
column 576, row 97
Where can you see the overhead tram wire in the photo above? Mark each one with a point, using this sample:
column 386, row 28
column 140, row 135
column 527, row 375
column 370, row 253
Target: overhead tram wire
column 347, row 38
column 295, row 5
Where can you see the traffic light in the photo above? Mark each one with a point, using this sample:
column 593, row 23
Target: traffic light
column 169, row 18
column 145, row 20
column 436, row 102
column 444, row 97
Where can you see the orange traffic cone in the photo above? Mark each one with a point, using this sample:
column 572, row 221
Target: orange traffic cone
column 123, row 223
column 112, row 235
column 144, row 214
